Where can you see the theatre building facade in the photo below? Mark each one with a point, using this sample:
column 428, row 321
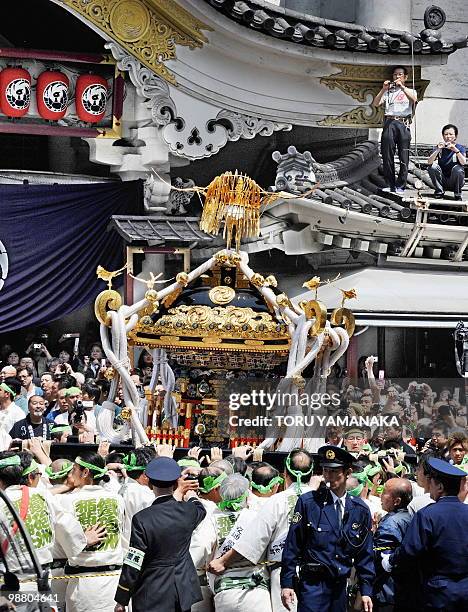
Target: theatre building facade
column 110, row 103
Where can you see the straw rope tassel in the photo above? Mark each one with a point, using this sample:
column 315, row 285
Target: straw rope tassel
column 233, row 200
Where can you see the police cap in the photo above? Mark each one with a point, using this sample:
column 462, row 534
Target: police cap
column 442, row 468
column 163, row 469
column 334, row 456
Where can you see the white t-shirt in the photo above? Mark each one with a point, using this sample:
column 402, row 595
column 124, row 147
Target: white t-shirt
column 397, row 103
column 9, row 416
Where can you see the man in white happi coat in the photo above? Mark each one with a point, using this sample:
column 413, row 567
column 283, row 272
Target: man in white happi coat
column 135, row 490
column 244, row 586
column 91, row 503
column 264, row 537
column 57, row 474
column 46, row 522
column 203, row 542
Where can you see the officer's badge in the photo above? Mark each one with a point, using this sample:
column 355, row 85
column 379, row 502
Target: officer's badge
column 355, row 525
column 296, row 517
column 330, row 454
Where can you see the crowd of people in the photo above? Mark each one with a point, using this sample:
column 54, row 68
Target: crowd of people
column 236, row 532
column 40, row 393
column 126, row 524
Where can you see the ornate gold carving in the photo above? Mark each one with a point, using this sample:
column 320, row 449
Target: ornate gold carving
column 271, row 281
column 108, row 275
column 315, row 310
column 130, row 20
column 106, row 300
column 362, row 83
column 344, row 315
column 171, row 298
column 151, row 295
column 191, row 326
column 227, row 258
column 109, row 374
column 283, row 300
column 348, row 294
column 361, row 116
column 149, row 30
column 182, row 278
column 126, row 414
column 257, row 280
column 222, row 295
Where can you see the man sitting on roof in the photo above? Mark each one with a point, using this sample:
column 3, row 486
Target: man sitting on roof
column 447, row 164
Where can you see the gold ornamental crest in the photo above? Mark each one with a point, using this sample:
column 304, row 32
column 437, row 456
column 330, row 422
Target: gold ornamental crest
column 222, row 295
column 330, row 454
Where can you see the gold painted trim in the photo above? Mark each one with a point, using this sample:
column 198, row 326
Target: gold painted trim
column 362, row 83
column 175, row 343
column 149, row 30
column 361, row 116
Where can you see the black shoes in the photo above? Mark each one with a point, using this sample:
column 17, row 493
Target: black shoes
column 458, row 197
column 438, row 195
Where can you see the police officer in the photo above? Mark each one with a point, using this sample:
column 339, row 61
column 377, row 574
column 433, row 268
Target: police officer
column 436, row 542
column 330, row 531
column 158, row 572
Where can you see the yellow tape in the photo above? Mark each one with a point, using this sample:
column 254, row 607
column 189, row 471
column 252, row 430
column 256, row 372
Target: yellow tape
column 70, row 576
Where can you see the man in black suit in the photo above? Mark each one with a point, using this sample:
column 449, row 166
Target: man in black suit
column 158, row 572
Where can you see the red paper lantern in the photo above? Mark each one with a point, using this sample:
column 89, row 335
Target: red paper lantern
column 91, row 93
column 52, row 94
column 15, row 91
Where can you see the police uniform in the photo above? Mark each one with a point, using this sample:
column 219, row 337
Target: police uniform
column 158, row 573
column 436, row 542
column 326, row 546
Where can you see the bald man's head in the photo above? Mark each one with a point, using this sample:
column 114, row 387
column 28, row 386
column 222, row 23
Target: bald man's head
column 397, row 494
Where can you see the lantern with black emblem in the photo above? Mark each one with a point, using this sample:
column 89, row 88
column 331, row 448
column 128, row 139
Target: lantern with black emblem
column 52, row 94
column 15, row 91
column 91, row 94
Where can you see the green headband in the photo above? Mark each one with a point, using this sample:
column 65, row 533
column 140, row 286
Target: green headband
column 67, row 467
column 188, row 463
column 370, row 471
column 297, row 473
column 72, row 391
column 130, row 463
column 8, row 389
column 267, row 488
column 356, row 492
column 94, row 468
column 233, row 504
column 13, row 460
column 60, row 428
column 32, row 468
column 211, row 482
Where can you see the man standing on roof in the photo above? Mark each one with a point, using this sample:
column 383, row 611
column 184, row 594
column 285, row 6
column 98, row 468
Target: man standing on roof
column 399, row 102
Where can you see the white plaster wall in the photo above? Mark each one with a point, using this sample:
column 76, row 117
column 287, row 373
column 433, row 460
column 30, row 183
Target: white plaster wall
column 446, row 98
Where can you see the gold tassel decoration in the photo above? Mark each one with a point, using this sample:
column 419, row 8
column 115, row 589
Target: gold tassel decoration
column 233, row 200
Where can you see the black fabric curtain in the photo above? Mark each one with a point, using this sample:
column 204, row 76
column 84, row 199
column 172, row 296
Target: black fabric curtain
column 52, row 238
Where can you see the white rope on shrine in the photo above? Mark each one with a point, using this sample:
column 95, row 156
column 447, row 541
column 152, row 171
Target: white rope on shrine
column 116, row 349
